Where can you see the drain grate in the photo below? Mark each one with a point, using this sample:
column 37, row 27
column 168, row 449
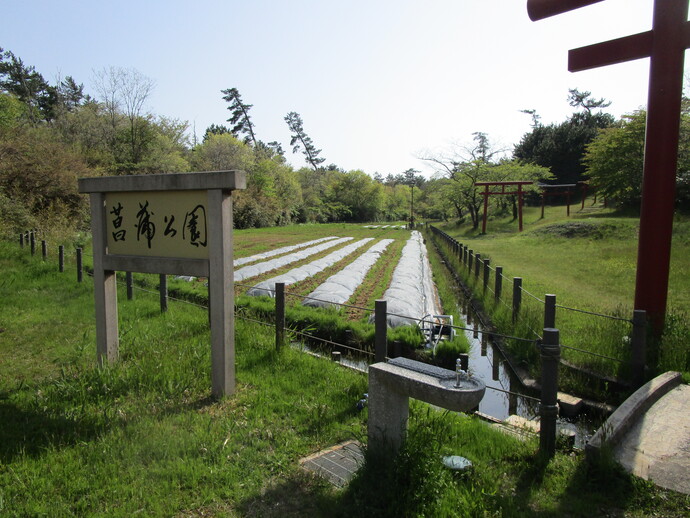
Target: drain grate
column 336, row 464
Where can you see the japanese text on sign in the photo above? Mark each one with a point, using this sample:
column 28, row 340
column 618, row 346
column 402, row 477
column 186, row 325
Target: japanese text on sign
column 157, row 224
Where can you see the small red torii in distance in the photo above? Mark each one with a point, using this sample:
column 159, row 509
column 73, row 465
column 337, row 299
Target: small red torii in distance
column 665, row 45
column 487, row 193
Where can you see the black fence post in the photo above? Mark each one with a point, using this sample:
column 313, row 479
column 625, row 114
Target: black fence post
column 381, row 330
column 498, row 283
column 548, row 407
column 129, row 281
column 487, row 272
column 638, row 354
column 163, row 288
column 61, row 258
column 21, row 240
column 517, row 297
column 550, row 311
column 44, row 249
column 280, row 315
column 80, row 265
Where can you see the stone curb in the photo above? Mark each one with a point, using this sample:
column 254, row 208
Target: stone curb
column 611, row 432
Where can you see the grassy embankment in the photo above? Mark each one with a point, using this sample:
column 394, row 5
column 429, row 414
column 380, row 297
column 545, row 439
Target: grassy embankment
column 144, row 437
column 589, row 262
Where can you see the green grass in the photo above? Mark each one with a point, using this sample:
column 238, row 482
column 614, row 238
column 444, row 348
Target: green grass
column 589, row 262
column 144, row 437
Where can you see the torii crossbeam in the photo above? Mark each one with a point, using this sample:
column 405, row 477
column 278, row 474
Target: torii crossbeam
column 665, row 45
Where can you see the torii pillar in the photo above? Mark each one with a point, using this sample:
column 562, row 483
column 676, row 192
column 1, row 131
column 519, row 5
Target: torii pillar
column 665, row 45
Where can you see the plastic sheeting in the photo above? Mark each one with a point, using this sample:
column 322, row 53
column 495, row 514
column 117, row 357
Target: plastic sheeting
column 279, row 251
column 308, row 270
column 339, row 288
column 412, row 292
column 279, row 262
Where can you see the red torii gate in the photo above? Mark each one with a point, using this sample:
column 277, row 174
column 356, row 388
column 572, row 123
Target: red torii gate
column 487, row 193
column 665, row 45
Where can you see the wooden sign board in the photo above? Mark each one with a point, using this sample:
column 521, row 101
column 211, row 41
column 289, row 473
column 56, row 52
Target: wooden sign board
column 168, row 224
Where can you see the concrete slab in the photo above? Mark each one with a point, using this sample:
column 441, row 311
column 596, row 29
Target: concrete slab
column 336, row 464
column 657, row 446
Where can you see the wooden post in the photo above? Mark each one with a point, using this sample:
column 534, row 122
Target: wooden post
column 548, row 407
column 21, row 240
column 543, row 198
column 32, row 239
column 470, row 258
column 517, row 297
column 280, row 315
column 381, row 330
column 638, row 355
column 61, row 258
column 487, row 272
column 44, row 249
column 80, row 266
column 550, row 311
column 520, row 195
column 567, row 201
column 477, row 264
column 104, row 286
column 163, row 289
column 221, row 292
column 486, row 205
column 498, row 283
column 129, row 281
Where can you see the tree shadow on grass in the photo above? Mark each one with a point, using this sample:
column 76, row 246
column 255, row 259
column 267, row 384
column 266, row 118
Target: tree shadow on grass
column 30, row 432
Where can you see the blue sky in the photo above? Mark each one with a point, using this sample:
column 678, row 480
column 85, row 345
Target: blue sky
column 377, row 82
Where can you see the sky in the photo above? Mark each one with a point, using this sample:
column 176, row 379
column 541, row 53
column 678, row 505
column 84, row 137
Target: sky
column 378, row 83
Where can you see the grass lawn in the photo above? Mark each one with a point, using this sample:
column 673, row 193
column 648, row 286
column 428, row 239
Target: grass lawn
column 588, row 260
column 144, row 437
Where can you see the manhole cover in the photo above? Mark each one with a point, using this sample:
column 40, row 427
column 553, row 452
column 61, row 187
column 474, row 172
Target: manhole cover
column 337, row 464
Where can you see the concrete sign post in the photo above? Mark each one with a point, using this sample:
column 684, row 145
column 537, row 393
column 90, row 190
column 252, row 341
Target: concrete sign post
column 175, row 224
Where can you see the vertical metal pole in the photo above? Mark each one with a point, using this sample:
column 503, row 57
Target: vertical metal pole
column 129, row 281
column 44, row 249
column 487, row 272
column 660, row 158
column 517, row 297
column 61, row 258
column 548, row 408
column 381, row 330
column 549, row 311
column 280, row 315
column 80, row 265
column 498, row 283
column 163, row 292
column 638, row 354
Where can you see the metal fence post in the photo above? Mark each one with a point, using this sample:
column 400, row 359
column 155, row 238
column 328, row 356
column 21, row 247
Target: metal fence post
column 80, row 265
column 548, row 407
column 549, row 310
column 280, row 315
column 381, row 330
column 129, row 282
column 498, row 283
column 517, row 297
column 44, row 249
column 638, row 354
column 61, row 258
column 487, row 272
